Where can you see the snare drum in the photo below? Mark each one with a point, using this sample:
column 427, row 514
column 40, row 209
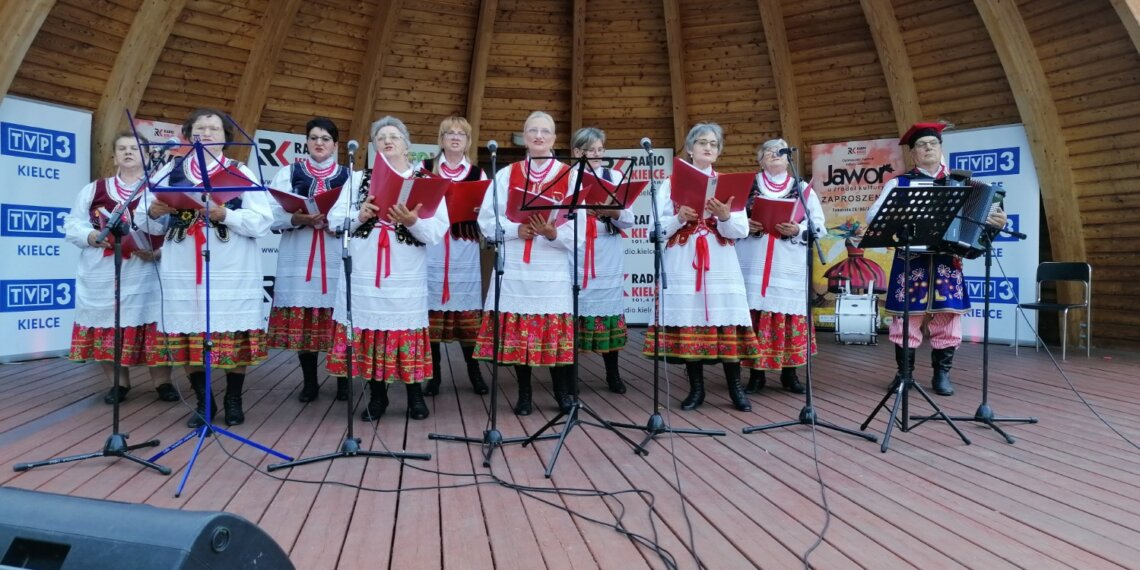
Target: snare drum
column 857, row 319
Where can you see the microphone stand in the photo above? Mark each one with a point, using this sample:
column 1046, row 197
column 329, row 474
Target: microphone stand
column 577, row 407
column 350, row 447
column 116, row 444
column 208, row 428
column 807, row 414
column 492, row 438
column 656, row 425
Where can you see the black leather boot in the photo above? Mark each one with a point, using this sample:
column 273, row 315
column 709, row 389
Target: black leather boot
column 696, row 373
column 560, row 377
column 198, row 385
column 232, row 402
column 613, row 372
column 474, row 371
column 377, row 401
column 790, row 381
column 523, row 405
column 756, row 381
column 431, row 387
column 735, row 390
column 309, row 386
column 900, row 353
column 417, row 407
column 942, row 360
column 342, row 388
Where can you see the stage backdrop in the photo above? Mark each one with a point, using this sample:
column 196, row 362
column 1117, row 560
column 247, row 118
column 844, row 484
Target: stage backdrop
column 849, row 178
column 638, row 250
column 45, row 159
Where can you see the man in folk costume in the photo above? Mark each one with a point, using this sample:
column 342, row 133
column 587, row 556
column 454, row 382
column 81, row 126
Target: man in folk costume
column 536, row 325
column 935, row 289
column 389, row 338
column 308, row 258
column 455, row 278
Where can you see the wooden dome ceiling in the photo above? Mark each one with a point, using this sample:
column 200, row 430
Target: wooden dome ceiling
column 809, row 70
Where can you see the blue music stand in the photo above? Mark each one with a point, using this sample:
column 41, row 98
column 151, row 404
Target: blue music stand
column 200, row 151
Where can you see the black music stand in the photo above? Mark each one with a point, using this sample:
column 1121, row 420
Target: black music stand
column 208, row 428
column 807, row 415
column 116, row 444
column 985, row 414
column 912, row 216
column 492, row 438
column 570, row 419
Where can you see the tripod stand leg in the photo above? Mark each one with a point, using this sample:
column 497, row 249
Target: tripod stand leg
column 638, row 449
column 890, row 392
column 900, row 394
column 938, row 412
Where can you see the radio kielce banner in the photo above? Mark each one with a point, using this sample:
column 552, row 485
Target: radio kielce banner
column 849, row 178
column 639, row 286
column 45, row 159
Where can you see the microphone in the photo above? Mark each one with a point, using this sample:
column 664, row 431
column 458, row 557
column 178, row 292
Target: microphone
column 352, row 146
column 493, row 146
column 786, row 151
column 647, row 144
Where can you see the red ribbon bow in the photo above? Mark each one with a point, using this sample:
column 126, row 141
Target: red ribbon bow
column 526, row 250
column 590, row 269
column 702, row 263
column 198, row 231
column 318, row 242
column 768, row 265
column 446, row 296
column 383, row 253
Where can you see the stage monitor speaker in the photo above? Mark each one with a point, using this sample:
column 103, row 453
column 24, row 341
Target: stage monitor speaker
column 44, row 531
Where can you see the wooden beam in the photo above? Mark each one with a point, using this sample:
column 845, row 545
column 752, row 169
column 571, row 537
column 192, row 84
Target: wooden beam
column 19, row 24
column 372, row 69
column 480, row 54
column 253, row 88
column 896, row 64
column 1129, row 11
column 1038, row 112
column 130, row 76
column 578, row 67
column 676, row 45
column 780, row 58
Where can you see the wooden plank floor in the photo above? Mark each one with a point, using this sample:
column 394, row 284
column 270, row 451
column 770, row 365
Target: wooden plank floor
column 1066, row 495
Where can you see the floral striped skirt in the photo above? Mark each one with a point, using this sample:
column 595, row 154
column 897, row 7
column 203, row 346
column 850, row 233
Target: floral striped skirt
column 140, row 344
column 703, row 344
column 382, row 356
column 782, row 340
column 528, row 340
column 232, row 349
column 602, row 334
column 455, row 326
column 306, row 329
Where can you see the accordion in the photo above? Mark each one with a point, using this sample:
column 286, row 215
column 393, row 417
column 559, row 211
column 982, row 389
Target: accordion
column 967, row 235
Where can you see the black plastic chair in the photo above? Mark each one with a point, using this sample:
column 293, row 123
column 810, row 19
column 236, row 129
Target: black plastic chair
column 1060, row 272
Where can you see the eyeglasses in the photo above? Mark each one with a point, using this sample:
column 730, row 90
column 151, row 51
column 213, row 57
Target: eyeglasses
column 324, row 138
column 392, row 138
column 534, row 132
column 707, row 142
column 458, row 134
column 928, row 144
column 596, row 151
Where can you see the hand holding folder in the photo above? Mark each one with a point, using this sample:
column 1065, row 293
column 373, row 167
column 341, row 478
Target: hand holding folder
column 320, row 204
column 598, row 191
column 693, row 188
column 387, row 188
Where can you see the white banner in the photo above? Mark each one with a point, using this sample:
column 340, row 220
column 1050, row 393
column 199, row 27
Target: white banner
column 1001, row 154
column 638, row 250
column 45, row 159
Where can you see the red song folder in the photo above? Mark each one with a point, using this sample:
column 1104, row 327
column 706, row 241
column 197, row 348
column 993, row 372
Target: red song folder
column 597, row 191
column 388, row 188
column 319, row 204
column 134, row 240
column 464, row 199
column 517, row 214
column 772, row 211
column 192, row 198
column 693, row 188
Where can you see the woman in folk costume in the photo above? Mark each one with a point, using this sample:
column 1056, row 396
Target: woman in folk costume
column 704, row 312
column 601, row 263
column 389, row 285
column 455, row 286
column 774, row 264
column 536, row 326
column 93, row 335
column 231, row 231
column 308, row 258
column 935, row 289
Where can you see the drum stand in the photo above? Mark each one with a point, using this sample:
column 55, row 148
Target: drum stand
column 807, row 414
column 985, row 414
